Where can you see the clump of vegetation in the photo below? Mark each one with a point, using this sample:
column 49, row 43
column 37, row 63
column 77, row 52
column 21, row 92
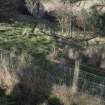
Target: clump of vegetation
column 22, row 81
column 65, row 95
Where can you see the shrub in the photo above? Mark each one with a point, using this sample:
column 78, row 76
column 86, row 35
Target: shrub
column 21, row 80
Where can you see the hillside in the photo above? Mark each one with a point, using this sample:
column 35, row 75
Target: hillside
column 52, row 52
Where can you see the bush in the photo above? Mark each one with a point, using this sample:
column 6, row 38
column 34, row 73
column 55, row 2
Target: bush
column 23, row 82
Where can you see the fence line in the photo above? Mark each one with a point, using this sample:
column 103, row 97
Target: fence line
column 91, row 84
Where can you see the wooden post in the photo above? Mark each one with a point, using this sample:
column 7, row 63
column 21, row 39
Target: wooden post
column 76, row 73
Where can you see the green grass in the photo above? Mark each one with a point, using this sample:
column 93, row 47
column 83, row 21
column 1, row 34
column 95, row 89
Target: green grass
column 37, row 45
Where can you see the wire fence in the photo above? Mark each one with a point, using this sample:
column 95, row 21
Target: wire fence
column 92, row 84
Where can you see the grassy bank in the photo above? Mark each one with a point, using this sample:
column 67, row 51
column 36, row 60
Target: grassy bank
column 30, row 63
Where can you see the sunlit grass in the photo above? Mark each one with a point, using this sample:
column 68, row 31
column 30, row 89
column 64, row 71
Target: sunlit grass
column 37, row 45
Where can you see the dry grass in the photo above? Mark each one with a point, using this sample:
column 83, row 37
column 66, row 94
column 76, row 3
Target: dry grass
column 65, row 96
column 22, row 80
column 10, row 65
column 8, row 79
column 33, row 85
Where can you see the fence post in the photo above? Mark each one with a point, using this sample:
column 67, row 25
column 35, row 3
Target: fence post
column 76, row 73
